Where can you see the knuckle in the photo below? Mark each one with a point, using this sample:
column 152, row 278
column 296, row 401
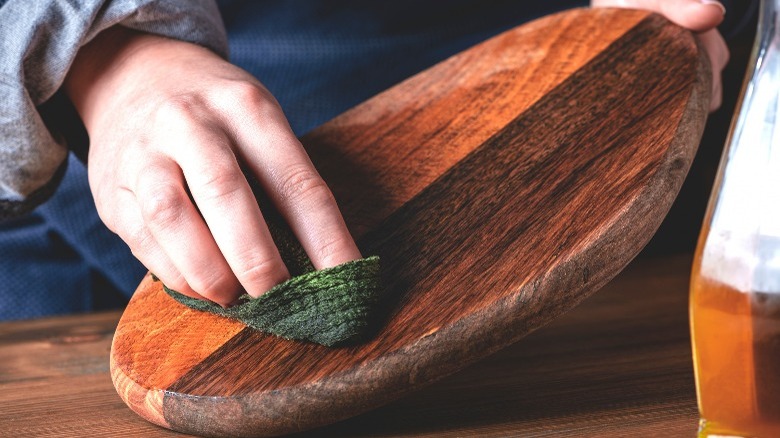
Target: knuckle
column 265, row 273
column 304, row 184
column 139, row 240
column 177, row 109
column 241, row 97
column 248, row 94
column 216, row 287
column 221, row 182
column 328, row 249
column 162, row 206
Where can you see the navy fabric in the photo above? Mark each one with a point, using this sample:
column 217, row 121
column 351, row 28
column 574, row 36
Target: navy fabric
column 318, row 58
column 61, row 258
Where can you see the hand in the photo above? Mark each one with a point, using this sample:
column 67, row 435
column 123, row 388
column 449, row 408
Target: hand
column 165, row 117
column 701, row 16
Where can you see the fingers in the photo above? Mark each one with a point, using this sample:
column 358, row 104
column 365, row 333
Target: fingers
column 166, row 233
column 129, row 225
column 185, row 208
column 221, row 243
column 696, row 15
column 228, row 206
column 181, row 233
column 288, row 176
column 718, row 52
column 310, row 209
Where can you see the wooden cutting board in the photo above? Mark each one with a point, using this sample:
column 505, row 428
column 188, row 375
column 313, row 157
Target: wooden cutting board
column 500, row 187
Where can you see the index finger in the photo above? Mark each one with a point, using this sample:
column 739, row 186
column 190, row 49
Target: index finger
column 287, row 175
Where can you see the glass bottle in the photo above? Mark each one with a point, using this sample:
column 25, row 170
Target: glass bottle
column 735, row 283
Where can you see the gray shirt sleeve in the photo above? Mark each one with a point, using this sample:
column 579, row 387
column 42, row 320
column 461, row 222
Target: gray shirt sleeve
column 38, row 41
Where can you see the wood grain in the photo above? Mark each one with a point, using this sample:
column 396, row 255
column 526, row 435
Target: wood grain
column 54, row 380
column 492, row 217
column 393, row 146
column 618, row 365
column 140, row 369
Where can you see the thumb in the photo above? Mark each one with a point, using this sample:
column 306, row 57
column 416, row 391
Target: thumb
column 696, row 15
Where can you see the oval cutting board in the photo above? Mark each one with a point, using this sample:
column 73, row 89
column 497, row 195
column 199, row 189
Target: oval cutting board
column 500, row 188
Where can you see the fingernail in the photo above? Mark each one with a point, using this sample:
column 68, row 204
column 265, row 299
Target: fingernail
column 715, row 3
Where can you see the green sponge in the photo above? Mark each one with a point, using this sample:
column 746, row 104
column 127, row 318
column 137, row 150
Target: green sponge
column 330, row 307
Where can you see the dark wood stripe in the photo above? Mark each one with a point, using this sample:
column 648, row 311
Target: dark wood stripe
column 475, row 236
column 379, row 155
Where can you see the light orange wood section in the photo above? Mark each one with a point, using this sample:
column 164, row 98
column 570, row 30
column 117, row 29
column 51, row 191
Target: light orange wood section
column 449, row 113
column 144, row 402
column 138, row 354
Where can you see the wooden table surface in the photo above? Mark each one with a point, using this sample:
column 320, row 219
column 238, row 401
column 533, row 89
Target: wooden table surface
column 618, row 365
